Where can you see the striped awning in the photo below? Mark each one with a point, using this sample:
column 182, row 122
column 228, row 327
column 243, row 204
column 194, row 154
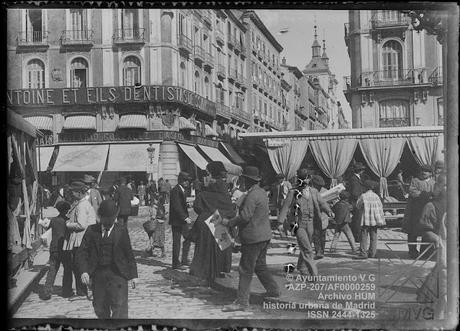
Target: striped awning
column 185, row 124
column 44, row 155
column 80, row 122
column 233, row 154
column 210, row 132
column 41, row 122
column 194, row 155
column 133, row 121
column 215, row 155
column 81, row 158
column 133, row 157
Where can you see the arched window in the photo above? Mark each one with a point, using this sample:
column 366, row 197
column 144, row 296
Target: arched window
column 131, row 71
column 207, row 88
column 166, row 29
column 392, row 60
column 394, row 113
column 183, row 75
column 197, row 85
column 79, row 72
column 35, row 74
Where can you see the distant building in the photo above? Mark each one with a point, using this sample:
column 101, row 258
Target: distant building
column 318, row 72
column 396, row 72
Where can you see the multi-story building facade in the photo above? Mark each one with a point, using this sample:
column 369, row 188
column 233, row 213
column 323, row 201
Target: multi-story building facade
column 396, row 75
column 263, row 67
column 167, row 80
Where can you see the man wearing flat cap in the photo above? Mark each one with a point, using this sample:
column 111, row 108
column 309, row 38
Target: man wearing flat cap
column 106, row 262
column 255, row 233
column 180, row 221
column 356, row 188
column 80, row 216
column 303, row 208
column 420, row 192
column 94, row 197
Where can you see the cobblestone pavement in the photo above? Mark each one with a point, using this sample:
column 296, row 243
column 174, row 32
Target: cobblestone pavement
column 166, row 293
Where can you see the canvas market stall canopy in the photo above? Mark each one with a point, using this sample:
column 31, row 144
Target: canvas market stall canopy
column 333, row 149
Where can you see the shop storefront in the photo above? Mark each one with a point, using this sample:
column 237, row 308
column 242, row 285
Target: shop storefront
column 140, row 132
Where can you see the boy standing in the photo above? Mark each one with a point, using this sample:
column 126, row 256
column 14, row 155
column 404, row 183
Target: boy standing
column 371, row 210
column 341, row 220
column 58, row 233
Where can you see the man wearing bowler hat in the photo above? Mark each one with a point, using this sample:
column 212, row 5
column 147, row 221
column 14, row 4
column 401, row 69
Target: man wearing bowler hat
column 180, row 220
column 255, row 234
column 356, row 188
column 94, row 197
column 106, row 261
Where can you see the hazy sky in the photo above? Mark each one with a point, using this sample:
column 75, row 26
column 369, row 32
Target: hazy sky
column 297, row 42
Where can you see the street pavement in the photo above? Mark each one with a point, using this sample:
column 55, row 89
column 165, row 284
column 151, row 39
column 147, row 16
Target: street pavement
column 165, row 293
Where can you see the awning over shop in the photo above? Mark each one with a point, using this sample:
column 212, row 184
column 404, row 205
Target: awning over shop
column 194, row 155
column 210, row 132
column 216, row 155
column 133, row 157
column 81, row 158
column 133, row 121
column 80, row 122
column 41, row 122
column 44, row 155
column 185, row 124
column 233, row 154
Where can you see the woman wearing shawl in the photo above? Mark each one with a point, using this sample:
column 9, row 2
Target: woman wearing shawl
column 208, row 260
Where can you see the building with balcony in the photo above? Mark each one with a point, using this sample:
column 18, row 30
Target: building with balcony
column 264, row 75
column 324, row 82
column 396, row 74
column 127, row 91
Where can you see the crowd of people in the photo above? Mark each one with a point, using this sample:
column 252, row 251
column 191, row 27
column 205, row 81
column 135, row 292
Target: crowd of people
column 90, row 236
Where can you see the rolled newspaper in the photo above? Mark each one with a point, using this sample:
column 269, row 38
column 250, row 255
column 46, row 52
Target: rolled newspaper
column 333, row 193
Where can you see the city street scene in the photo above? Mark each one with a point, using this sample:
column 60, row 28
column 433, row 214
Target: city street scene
column 202, row 168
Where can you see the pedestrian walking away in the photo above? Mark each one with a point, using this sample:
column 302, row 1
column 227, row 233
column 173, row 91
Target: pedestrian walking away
column 94, row 196
column 58, row 234
column 123, row 197
column 107, row 263
column 180, row 221
column 81, row 215
column 371, row 212
column 255, row 234
column 341, row 221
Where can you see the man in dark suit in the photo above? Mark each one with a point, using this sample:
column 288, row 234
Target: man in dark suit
column 105, row 256
column 123, row 196
column 356, row 188
column 179, row 220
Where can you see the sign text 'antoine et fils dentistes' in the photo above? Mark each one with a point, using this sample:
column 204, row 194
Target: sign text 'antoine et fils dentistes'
column 106, row 95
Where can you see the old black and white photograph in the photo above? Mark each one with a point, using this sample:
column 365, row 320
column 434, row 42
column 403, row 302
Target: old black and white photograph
column 243, row 168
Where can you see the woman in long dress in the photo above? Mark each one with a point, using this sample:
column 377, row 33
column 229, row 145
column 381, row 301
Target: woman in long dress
column 209, row 261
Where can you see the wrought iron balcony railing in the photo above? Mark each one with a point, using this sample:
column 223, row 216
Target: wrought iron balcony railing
column 221, row 70
column 389, row 19
column 232, row 74
column 397, row 77
column 77, row 37
column 32, row 38
column 230, row 41
column 129, row 35
column 222, row 110
column 209, row 60
column 198, row 53
column 184, row 43
column 220, row 37
column 241, row 115
column 236, row 45
column 394, row 122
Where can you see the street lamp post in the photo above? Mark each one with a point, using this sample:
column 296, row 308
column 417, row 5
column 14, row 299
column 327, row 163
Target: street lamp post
column 150, row 151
